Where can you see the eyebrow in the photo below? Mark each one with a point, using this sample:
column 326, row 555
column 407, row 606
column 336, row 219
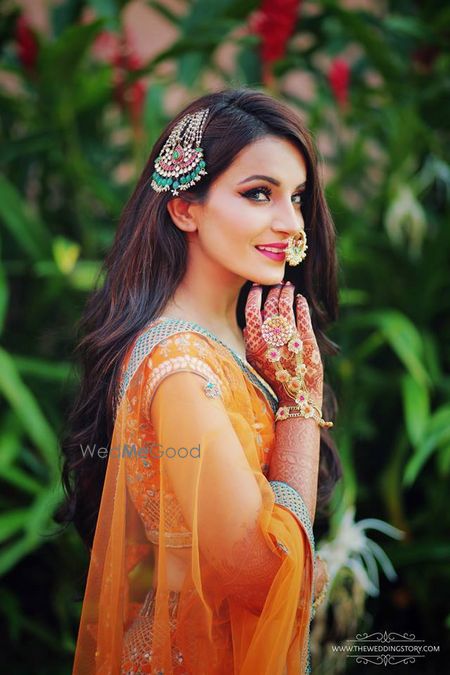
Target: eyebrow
column 269, row 179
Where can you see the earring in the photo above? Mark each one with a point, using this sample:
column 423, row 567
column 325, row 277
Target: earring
column 296, row 249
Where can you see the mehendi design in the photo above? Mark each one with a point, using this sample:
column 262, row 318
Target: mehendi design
column 295, row 459
column 299, row 356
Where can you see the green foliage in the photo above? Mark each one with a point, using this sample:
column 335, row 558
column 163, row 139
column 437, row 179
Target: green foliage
column 64, row 134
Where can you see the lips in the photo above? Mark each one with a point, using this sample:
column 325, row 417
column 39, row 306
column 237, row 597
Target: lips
column 274, row 254
column 276, row 245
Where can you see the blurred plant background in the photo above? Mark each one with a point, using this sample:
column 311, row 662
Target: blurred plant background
column 80, row 110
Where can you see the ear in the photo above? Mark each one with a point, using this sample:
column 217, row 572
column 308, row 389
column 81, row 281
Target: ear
column 182, row 213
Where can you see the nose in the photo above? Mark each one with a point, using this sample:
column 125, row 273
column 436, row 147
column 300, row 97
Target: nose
column 288, row 220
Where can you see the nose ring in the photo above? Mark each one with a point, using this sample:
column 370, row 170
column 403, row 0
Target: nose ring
column 296, row 248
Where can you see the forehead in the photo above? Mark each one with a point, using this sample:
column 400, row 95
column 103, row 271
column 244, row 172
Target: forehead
column 272, row 156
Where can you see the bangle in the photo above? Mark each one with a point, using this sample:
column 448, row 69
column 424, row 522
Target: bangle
column 320, row 598
column 287, row 496
column 318, row 601
column 304, row 409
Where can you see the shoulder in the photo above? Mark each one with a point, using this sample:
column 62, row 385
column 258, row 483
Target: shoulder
column 185, row 351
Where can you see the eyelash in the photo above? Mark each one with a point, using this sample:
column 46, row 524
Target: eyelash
column 267, row 191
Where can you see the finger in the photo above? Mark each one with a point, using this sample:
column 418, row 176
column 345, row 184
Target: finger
column 253, row 319
column 286, row 302
column 253, row 305
column 304, row 325
column 271, row 304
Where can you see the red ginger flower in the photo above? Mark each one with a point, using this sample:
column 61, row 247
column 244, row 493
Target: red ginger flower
column 339, row 77
column 129, row 96
column 274, row 22
column 27, row 44
column 117, row 51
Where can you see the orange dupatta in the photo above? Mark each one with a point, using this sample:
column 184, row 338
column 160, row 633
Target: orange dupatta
column 191, row 478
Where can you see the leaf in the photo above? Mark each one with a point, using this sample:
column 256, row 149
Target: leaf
column 403, row 337
column 190, row 67
column 416, row 404
column 66, row 253
column 30, row 144
column 154, row 115
column 365, row 29
column 27, row 410
column 85, row 275
column 20, row 479
column 408, row 25
column 248, row 65
column 109, row 11
column 444, row 461
column 64, row 14
column 50, row 371
column 59, row 60
column 12, row 522
column 36, row 526
column 92, row 89
column 24, row 226
column 165, row 12
column 437, row 434
column 4, row 295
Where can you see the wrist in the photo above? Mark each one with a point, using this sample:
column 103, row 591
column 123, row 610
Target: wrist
column 291, row 401
column 303, row 409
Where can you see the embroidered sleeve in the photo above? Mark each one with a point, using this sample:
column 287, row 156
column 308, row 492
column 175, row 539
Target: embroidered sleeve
column 183, row 352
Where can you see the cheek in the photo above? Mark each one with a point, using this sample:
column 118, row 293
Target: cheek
column 224, row 238
column 229, row 226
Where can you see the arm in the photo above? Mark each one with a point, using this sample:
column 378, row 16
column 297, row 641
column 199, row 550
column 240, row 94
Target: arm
column 218, row 493
column 283, row 347
column 295, row 459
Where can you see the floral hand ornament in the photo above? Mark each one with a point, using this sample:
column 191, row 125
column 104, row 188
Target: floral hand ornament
column 284, row 351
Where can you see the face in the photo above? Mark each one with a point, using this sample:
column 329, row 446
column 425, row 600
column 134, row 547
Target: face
column 256, row 201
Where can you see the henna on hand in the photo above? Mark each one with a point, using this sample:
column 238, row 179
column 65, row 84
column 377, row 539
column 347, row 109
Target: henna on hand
column 280, row 301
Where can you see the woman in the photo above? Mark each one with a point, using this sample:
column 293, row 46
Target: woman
column 196, row 493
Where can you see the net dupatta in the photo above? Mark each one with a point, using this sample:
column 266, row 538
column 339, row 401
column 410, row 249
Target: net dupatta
column 194, row 566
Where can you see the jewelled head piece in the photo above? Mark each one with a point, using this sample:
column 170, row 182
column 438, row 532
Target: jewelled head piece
column 180, row 163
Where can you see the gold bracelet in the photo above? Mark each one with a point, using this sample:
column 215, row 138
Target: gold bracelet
column 320, row 598
column 318, row 601
column 303, row 410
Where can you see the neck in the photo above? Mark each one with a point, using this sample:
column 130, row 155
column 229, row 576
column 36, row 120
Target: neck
column 209, row 297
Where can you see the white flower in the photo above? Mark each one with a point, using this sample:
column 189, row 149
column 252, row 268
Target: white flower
column 351, row 548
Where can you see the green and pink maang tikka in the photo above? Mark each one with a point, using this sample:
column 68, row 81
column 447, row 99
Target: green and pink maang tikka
column 180, row 163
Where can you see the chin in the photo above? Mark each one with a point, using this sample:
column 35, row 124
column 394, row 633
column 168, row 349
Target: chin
column 267, row 279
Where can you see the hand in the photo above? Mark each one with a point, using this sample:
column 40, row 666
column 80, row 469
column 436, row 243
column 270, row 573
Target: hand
column 321, row 576
column 280, row 302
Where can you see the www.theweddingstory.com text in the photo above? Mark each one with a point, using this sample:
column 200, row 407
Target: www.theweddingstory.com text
column 154, row 450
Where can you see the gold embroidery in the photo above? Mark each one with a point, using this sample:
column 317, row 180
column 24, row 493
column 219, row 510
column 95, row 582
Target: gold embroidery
column 176, row 364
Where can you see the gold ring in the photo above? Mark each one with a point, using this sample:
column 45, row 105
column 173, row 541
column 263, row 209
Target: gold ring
column 276, row 330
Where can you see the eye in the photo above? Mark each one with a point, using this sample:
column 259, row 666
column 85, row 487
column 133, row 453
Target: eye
column 254, row 191
column 250, row 194
column 300, row 198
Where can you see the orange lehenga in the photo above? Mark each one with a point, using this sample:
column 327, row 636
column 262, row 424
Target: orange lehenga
column 244, row 603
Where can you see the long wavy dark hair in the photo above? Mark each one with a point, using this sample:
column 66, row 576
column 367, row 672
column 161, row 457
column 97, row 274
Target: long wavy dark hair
column 146, row 263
